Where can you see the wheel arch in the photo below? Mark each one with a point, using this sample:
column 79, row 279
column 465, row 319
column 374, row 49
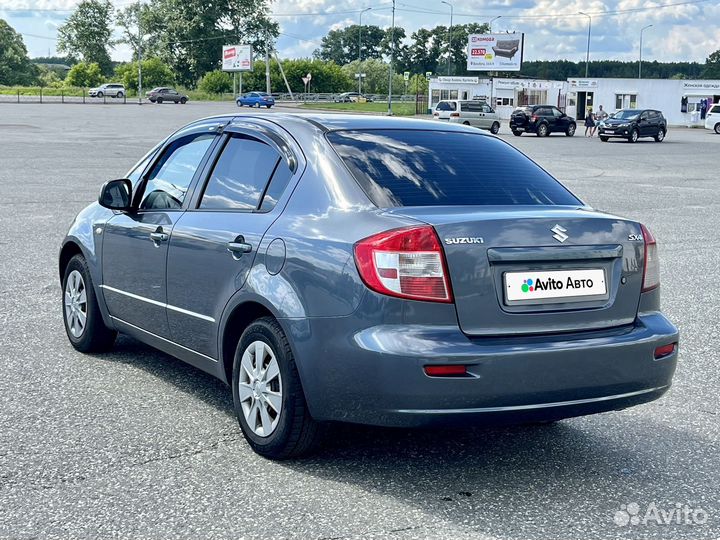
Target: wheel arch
column 67, row 252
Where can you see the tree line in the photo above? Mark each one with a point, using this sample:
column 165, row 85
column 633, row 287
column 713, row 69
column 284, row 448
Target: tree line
column 179, row 42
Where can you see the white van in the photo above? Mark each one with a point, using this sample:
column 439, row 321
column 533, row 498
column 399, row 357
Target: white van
column 471, row 113
column 712, row 119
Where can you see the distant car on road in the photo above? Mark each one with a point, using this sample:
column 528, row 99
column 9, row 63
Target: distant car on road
column 712, row 120
column 164, row 93
column 475, row 113
column 542, row 120
column 255, row 99
column 112, row 90
column 633, row 124
column 351, row 97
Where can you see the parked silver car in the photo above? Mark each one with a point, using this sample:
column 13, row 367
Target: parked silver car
column 475, row 113
column 113, row 90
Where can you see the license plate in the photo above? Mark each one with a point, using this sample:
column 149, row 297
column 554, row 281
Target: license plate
column 532, row 285
column 609, row 131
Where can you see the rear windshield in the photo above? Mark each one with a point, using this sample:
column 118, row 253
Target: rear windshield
column 715, row 109
column 446, row 106
column 435, row 168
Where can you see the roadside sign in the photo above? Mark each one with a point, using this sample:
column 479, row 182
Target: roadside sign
column 428, row 74
column 237, row 58
column 406, row 75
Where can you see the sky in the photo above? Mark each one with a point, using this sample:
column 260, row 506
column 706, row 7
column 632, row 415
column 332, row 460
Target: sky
column 681, row 30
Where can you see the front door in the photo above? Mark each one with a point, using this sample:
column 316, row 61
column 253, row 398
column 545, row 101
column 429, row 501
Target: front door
column 215, row 243
column 135, row 243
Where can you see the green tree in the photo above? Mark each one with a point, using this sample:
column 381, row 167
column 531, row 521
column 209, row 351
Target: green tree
column 376, row 76
column 712, row 66
column 15, row 66
column 87, row 33
column 84, row 74
column 341, row 46
column 190, row 33
column 216, row 82
column 154, row 72
column 49, row 78
column 136, row 24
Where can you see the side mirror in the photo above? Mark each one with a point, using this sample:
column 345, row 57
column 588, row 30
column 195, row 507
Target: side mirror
column 116, row 194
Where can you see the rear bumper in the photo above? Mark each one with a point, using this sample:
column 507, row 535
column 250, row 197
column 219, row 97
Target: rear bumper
column 375, row 375
column 527, row 128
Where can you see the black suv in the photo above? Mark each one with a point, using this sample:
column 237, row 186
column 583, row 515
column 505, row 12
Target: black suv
column 632, row 124
column 541, row 120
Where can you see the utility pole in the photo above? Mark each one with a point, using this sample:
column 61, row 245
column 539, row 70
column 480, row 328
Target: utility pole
column 640, row 59
column 587, row 55
column 392, row 60
column 267, row 62
column 449, row 34
column 139, row 55
column 360, row 51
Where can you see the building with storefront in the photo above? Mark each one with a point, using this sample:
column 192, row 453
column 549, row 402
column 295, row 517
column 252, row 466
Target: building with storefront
column 503, row 94
column 679, row 100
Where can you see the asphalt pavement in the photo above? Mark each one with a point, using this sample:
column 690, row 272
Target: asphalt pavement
column 136, row 444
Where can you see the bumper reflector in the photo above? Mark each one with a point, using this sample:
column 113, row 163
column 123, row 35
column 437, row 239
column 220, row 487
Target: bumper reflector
column 453, row 370
column 665, row 350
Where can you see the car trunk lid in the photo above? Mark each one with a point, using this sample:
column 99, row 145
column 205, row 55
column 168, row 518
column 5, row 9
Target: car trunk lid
column 509, row 267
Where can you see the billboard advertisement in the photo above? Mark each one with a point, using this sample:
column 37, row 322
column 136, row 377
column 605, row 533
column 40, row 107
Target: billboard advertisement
column 495, row 52
column 237, row 58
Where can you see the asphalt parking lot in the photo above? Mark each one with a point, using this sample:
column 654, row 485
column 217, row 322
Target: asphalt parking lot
column 136, row 444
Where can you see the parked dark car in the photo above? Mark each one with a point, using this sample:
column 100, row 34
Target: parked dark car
column 373, row 270
column 161, row 94
column 634, row 124
column 541, row 120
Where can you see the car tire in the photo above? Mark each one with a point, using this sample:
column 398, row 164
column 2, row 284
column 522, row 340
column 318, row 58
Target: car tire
column 517, row 133
column 120, row 95
column 570, row 131
column 660, row 137
column 82, row 318
column 99, row 94
column 466, row 123
column 183, row 101
column 542, row 130
column 717, row 128
column 239, row 103
column 268, row 106
column 159, row 100
column 603, row 139
column 275, row 382
column 495, row 128
column 634, row 136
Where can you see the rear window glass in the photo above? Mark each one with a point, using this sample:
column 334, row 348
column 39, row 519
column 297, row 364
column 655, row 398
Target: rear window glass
column 434, row 168
column 446, row 106
column 715, row 109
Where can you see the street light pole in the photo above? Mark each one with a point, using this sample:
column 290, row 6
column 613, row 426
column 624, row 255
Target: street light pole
column 492, row 21
column 360, row 50
column 587, row 55
column 640, row 59
column 392, row 60
column 449, row 34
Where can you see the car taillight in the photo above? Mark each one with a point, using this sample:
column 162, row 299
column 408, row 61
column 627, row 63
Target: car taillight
column 651, row 269
column 455, row 114
column 406, row 263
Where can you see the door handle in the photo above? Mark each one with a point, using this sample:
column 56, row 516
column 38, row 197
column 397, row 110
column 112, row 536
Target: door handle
column 159, row 236
column 239, row 246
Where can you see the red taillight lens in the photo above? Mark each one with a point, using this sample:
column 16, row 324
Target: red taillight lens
column 445, row 371
column 651, row 269
column 665, row 350
column 407, row 263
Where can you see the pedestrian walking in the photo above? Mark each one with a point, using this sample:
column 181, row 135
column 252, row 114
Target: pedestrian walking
column 589, row 123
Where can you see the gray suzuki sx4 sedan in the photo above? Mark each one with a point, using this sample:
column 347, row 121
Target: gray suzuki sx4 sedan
column 373, row 270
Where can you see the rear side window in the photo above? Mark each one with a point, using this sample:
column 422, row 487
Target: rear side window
column 715, row 109
column 434, row 168
column 240, row 175
column 446, row 106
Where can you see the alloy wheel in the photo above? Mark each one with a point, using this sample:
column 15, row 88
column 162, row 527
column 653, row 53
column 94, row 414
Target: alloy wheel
column 260, row 388
column 76, row 304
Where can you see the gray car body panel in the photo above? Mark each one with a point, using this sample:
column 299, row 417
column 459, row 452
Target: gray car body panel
column 360, row 354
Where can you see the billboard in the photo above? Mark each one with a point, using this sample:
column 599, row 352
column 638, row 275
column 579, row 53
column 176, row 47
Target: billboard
column 237, row 58
column 495, row 52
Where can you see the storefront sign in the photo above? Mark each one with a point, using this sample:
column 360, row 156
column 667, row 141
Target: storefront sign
column 462, row 80
column 701, row 85
column 583, row 83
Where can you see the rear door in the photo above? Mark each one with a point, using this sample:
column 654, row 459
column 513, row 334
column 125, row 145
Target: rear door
column 524, row 255
column 215, row 243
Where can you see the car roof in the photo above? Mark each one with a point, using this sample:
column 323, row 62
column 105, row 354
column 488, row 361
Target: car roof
column 331, row 122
